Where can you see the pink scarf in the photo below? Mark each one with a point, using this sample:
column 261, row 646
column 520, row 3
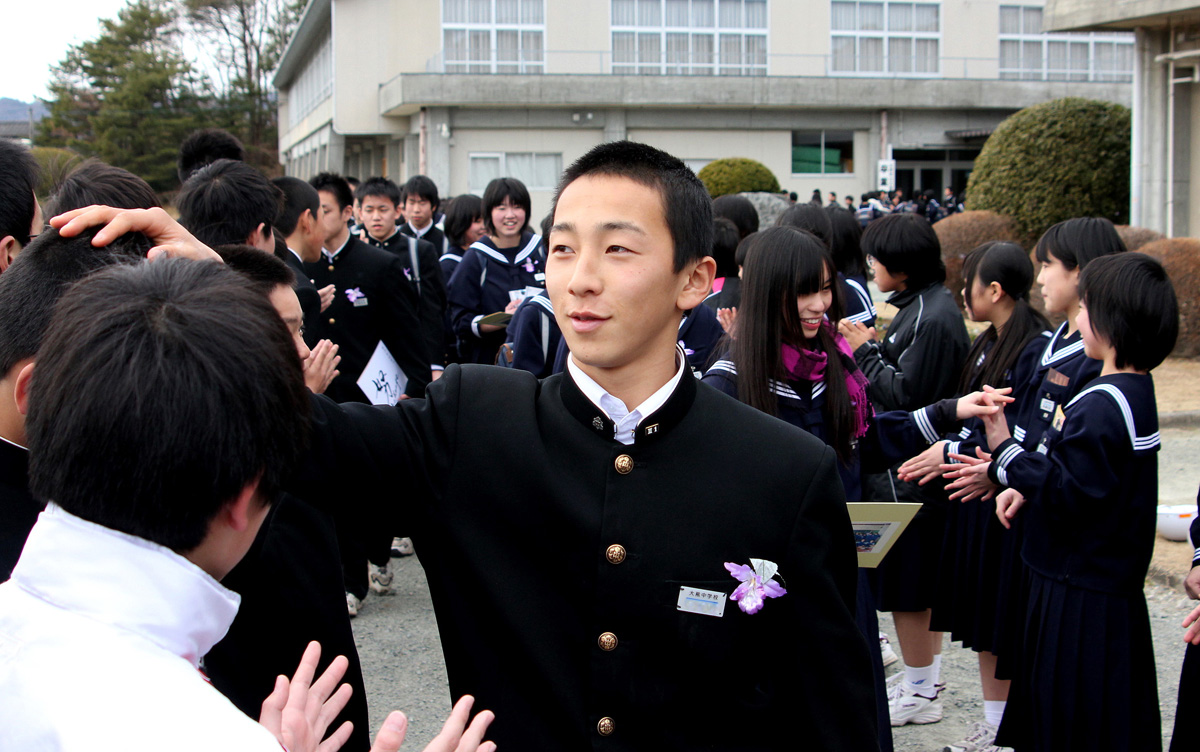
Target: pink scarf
column 809, row 365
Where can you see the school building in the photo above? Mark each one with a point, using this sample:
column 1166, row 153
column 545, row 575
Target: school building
column 820, row 91
column 1166, row 102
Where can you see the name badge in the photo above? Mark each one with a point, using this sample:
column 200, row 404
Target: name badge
column 1047, row 405
column 1059, row 419
column 540, row 277
column 359, row 303
column 697, row 601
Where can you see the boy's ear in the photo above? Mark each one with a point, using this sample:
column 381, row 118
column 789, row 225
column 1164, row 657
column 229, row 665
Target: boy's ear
column 21, row 389
column 242, row 511
column 697, row 284
column 9, row 248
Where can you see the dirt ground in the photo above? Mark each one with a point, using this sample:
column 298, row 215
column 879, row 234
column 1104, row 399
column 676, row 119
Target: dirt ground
column 1175, row 385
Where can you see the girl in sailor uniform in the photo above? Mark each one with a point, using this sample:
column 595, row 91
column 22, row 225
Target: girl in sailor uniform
column 496, row 271
column 1088, row 495
column 788, row 360
column 978, row 554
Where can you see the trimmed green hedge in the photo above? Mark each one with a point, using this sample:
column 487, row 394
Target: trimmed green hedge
column 1054, row 161
column 737, row 175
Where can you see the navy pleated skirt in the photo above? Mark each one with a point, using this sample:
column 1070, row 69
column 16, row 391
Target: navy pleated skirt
column 1087, row 677
column 979, row 579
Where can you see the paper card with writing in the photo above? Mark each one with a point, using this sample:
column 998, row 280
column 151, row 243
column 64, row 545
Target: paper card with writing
column 382, row 380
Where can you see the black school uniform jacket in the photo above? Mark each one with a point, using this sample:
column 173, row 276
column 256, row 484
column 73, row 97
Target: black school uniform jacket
column 306, row 293
column 1091, row 486
column 18, row 509
column 556, row 558
column 426, row 279
column 373, row 301
column 922, row 353
column 480, row 286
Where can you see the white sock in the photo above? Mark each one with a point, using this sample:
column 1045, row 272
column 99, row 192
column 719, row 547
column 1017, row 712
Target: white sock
column 937, row 669
column 920, row 680
column 993, row 711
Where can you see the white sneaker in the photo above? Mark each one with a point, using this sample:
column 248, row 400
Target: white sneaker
column 979, row 739
column 910, row 707
column 885, row 649
column 352, row 604
column 380, row 578
column 402, row 547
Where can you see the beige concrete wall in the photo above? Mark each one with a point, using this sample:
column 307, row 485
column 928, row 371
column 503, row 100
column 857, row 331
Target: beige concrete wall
column 971, row 37
column 307, row 125
column 798, row 38
column 373, row 41
column 573, row 144
column 577, row 36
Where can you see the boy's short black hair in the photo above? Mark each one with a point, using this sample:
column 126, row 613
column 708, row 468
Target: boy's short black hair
column 32, row 285
column 94, row 182
column 205, row 146
column 906, row 244
column 687, row 207
column 1131, row 304
column 461, row 213
column 334, row 184
column 226, row 201
column 421, row 187
column 163, row 390
column 739, row 210
column 379, row 187
column 811, row 217
column 725, row 243
column 506, row 188
column 266, row 271
column 18, row 181
column 1076, row 242
column 297, row 196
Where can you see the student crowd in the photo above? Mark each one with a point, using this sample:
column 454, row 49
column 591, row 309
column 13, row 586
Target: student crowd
column 682, row 395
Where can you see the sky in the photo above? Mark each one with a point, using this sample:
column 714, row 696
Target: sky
column 39, row 35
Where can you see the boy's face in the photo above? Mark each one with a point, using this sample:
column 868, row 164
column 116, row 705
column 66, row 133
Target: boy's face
column 379, row 216
column 333, row 218
column 418, row 210
column 610, row 274
column 287, row 305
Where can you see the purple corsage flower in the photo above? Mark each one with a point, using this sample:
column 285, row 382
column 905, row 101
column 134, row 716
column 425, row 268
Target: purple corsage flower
column 757, row 584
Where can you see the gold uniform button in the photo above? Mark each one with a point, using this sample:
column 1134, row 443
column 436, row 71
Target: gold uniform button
column 624, row 464
column 331, row 267
column 615, row 553
column 607, row 642
column 331, row 321
column 605, row 726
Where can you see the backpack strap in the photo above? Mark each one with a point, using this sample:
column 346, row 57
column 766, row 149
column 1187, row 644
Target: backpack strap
column 412, row 259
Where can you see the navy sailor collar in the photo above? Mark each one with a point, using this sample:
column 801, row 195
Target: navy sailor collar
column 532, row 241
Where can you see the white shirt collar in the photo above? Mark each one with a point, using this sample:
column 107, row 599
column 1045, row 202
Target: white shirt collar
column 297, row 255
column 420, row 233
column 125, row 581
column 626, row 420
column 333, row 254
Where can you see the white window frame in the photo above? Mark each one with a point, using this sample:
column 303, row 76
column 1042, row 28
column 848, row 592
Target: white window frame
column 886, row 35
column 716, row 31
column 528, row 62
column 314, row 84
column 822, row 173
column 1044, row 40
column 503, row 157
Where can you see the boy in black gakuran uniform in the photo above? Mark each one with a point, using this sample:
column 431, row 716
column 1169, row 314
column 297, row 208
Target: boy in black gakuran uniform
column 584, row 536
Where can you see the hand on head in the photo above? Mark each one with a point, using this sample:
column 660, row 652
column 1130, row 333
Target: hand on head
column 169, row 237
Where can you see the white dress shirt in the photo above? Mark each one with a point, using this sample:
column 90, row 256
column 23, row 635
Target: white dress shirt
column 626, row 420
column 101, row 634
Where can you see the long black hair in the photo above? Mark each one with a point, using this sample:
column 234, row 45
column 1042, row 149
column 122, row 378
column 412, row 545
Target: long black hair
column 845, row 243
column 995, row 352
column 786, row 264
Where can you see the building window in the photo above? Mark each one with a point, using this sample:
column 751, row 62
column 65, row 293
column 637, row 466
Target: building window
column 493, row 36
column 314, row 84
column 689, row 37
column 822, row 152
column 1028, row 54
column 885, row 38
column 538, row 171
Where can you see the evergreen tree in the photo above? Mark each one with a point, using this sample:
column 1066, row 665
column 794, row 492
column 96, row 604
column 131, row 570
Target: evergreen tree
column 129, row 97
